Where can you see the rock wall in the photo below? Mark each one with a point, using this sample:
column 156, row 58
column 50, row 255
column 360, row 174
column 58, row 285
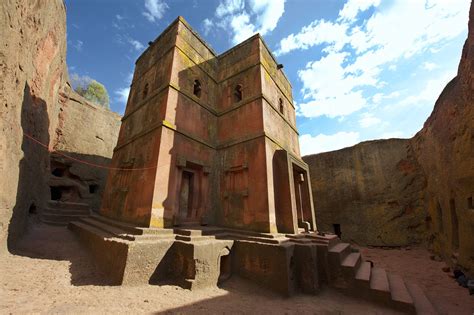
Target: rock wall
column 372, row 191
column 445, row 150
column 401, row 192
column 36, row 102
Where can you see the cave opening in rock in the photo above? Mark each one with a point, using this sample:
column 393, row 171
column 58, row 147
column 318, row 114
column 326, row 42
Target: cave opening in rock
column 337, row 229
column 56, row 193
column 32, row 209
column 454, row 224
column 59, row 172
column 93, row 188
column 470, row 205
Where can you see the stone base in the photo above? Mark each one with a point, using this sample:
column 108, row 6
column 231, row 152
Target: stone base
column 198, row 257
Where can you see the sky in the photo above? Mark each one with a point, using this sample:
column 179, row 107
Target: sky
column 360, row 69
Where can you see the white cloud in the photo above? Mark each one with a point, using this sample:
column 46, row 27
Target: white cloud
column 368, row 120
column 207, row 25
column 78, row 44
column 122, row 95
column 259, row 16
column 337, row 84
column 429, row 94
column 316, row 33
column 429, row 66
column 378, row 97
column 155, row 9
column 229, row 7
column 119, row 17
column 136, row 44
column 353, row 7
column 324, row 143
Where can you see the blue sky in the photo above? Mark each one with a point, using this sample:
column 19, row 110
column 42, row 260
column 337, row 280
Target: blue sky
column 360, row 69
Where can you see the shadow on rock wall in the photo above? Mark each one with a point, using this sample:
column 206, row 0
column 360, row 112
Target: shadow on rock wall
column 32, row 167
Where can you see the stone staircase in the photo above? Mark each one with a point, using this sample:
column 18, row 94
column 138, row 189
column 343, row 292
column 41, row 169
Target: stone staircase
column 348, row 271
column 63, row 212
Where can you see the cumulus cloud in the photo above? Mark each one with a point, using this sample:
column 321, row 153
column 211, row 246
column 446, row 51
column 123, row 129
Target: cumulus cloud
column 78, row 44
column 430, row 92
column 155, row 9
column 356, row 51
column 429, row 66
column 135, row 44
column 122, row 95
column 368, row 120
column 245, row 19
column 207, row 25
column 323, row 143
column 353, row 7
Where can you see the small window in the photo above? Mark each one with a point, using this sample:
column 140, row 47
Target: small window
column 280, row 102
column 197, row 88
column 145, row 91
column 238, row 93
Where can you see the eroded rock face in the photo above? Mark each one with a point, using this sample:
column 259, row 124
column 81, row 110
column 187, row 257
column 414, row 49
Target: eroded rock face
column 445, row 150
column 372, row 193
column 400, row 192
column 36, row 101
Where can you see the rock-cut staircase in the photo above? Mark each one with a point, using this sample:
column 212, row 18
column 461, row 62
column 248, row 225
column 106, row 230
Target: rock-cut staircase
column 63, row 212
column 348, row 271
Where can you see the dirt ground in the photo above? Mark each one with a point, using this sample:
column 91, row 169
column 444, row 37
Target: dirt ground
column 51, row 273
column 416, row 266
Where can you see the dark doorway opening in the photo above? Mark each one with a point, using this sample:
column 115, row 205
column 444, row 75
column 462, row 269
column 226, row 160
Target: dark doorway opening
column 337, row 229
column 93, row 188
column 225, row 267
column 58, row 172
column 32, row 209
column 454, row 224
column 56, row 193
column 186, row 195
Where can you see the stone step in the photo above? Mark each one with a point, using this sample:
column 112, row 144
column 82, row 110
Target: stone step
column 67, row 211
column 422, row 303
column 117, row 232
column 338, row 252
column 60, row 219
column 130, row 229
column 88, row 230
column 351, row 261
column 55, row 204
column 362, row 277
column 379, row 287
column 401, row 298
column 198, row 231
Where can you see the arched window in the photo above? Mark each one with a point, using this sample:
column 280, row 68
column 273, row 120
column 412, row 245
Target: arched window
column 145, row 91
column 197, row 88
column 280, row 103
column 238, row 93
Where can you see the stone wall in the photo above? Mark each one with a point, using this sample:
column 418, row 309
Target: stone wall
column 401, row 192
column 36, row 101
column 445, row 150
column 373, row 191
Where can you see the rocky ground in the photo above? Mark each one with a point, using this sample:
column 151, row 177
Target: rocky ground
column 50, row 272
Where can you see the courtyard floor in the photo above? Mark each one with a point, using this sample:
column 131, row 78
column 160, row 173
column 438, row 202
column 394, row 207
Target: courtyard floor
column 50, row 272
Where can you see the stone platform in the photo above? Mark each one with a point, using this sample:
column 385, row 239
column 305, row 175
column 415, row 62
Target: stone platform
column 201, row 256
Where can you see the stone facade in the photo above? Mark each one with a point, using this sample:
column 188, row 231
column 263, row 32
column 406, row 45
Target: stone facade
column 211, row 139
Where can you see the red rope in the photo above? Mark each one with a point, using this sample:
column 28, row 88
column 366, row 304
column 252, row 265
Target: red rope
column 79, row 160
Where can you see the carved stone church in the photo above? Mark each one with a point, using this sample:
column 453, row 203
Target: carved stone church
column 211, row 139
